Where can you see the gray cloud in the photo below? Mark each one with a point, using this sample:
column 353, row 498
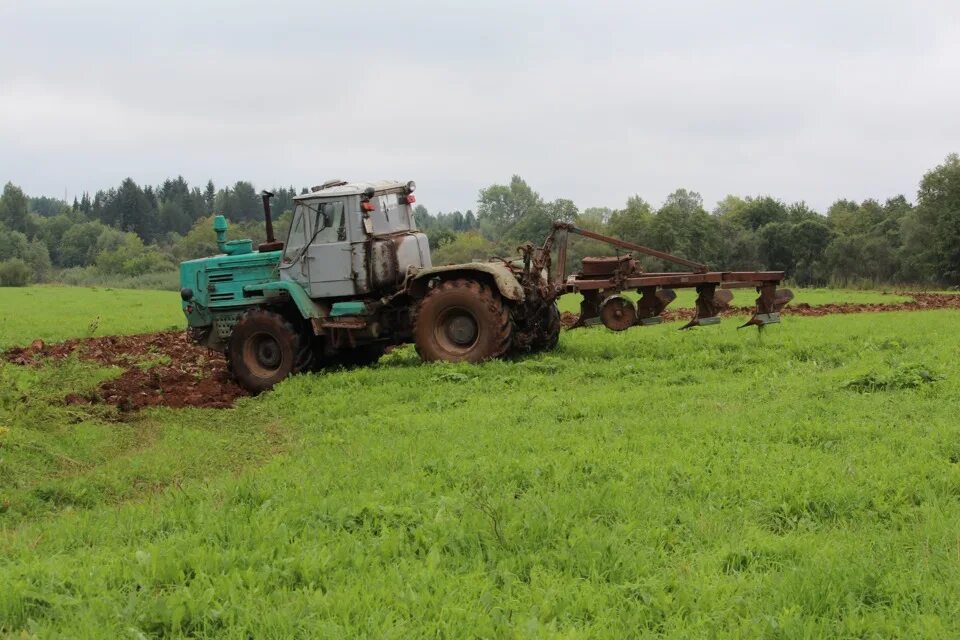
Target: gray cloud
column 591, row 101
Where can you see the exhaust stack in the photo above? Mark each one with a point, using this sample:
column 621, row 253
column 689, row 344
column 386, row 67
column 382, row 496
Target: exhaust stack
column 271, row 244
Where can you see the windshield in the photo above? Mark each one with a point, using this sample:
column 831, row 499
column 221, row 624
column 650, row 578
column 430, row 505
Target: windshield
column 313, row 224
column 299, row 233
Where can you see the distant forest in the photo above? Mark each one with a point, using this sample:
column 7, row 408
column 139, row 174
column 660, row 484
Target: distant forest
column 135, row 235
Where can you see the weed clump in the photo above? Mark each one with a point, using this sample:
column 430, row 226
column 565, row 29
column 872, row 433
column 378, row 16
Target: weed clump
column 909, row 376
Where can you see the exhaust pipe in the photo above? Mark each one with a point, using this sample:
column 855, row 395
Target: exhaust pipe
column 271, row 244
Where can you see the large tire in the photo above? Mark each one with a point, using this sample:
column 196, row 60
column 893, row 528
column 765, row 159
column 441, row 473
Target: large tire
column 549, row 334
column 462, row 321
column 264, row 349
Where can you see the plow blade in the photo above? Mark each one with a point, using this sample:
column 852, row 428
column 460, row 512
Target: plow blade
column 701, row 322
column 710, row 302
column 769, row 305
column 651, row 304
column 761, row 320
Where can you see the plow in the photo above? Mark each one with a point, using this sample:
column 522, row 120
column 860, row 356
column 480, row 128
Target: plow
column 355, row 277
column 602, row 282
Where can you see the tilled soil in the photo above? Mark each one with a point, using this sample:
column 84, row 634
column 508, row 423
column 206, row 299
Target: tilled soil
column 160, row 369
column 167, row 369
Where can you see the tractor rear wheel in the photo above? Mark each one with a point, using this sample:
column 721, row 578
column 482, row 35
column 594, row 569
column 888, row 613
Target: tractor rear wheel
column 264, row 349
column 462, row 321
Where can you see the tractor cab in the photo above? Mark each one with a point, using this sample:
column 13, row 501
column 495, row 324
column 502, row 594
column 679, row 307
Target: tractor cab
column 350, row 239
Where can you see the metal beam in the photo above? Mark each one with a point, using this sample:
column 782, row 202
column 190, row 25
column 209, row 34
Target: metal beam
column 623, row 244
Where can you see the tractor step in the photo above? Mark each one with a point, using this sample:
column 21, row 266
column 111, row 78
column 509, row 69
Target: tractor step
column 348, row 308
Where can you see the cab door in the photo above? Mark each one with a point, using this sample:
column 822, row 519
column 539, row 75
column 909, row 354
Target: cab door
column 329, row 254
column 294, row 264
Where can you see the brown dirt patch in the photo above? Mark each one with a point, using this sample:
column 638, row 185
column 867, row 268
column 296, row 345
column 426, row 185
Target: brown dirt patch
column 160, row 369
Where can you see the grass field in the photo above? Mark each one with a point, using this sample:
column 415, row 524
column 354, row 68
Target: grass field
column 708, row 483
column 58, row 313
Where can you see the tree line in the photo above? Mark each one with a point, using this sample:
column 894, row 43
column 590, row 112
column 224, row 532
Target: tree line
column 871, row 242
column 135, row 235
column 131, row 234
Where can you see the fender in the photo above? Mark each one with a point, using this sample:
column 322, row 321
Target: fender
column 505, row 280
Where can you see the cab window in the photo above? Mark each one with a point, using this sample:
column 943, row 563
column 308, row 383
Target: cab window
column 298, row 237
column 330, row 215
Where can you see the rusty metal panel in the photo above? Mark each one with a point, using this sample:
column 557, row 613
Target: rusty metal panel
column 753, row 275
column 607, row 265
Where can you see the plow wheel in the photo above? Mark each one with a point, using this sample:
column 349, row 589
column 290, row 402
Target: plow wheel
column 264, row 349
column 462, row 321
column 618, row 313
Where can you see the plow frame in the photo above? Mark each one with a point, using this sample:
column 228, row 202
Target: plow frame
column 599, row 290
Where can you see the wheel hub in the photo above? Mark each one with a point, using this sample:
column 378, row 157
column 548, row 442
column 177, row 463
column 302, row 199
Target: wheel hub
column 268, row 352
column 462, row 330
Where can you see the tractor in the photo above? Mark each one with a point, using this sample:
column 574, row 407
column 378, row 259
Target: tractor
column 354, row 277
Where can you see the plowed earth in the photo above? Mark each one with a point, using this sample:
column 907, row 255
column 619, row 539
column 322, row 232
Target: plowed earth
column 159, row 369
column 167, row 369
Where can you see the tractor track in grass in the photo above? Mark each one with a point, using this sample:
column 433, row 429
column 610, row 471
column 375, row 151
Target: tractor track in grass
column 167, row 369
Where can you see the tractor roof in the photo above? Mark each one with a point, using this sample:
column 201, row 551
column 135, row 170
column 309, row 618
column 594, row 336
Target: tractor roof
column 336, row 188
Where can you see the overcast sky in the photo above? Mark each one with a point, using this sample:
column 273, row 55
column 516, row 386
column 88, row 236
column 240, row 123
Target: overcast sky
column 591, row 101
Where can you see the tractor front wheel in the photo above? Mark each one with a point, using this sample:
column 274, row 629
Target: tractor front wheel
column 462, row 321
column 264, row 349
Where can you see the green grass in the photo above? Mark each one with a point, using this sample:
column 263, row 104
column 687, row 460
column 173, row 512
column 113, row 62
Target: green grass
column 746, row 297
column 653, row 482
column 57, row 313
